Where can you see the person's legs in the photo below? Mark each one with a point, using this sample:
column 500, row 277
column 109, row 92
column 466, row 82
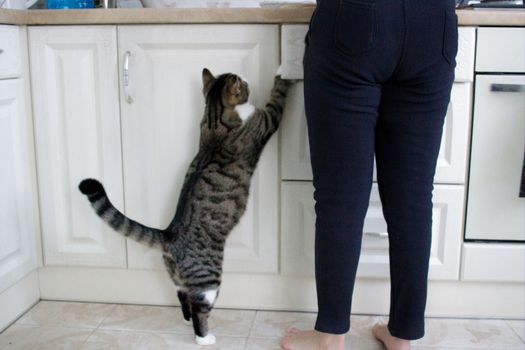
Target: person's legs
column 408, row 137
column 341, row 127
column 407, row 146
column 341, row 134
column 344, row 64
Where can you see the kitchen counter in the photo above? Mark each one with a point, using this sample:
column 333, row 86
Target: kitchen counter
column 281, row 14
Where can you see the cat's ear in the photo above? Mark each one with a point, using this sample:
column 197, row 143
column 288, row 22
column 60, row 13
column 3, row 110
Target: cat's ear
column 207, row 81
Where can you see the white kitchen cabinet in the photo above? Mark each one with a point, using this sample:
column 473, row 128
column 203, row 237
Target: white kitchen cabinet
column 19, row 229
column 17, row 211
column 298, row 231
column 452, row 159
column 160, row 128
column 76, row 112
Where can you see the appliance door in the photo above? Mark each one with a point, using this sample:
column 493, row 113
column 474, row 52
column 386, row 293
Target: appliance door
column 494, row 210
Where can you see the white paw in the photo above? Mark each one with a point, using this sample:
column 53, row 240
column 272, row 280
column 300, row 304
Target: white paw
column 207, row 340
column 187, row 322
column 280, row 70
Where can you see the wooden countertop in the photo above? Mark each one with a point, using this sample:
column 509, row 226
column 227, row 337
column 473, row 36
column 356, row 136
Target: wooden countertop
column 282, row 14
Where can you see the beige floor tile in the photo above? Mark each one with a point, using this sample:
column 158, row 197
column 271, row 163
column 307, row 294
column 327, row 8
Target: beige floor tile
column 273, row 324
column 66, row 314
column 116, row 340
column 469, row 334
column 360, row 335
column 20, row 337
column 519, row 327
column 169, row 319
column 236, row 323
column 262, row 344
column 146, row 318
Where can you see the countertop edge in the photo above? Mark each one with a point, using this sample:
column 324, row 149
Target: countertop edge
column 279, row 15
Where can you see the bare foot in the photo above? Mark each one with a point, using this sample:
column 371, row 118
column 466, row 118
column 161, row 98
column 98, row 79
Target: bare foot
column 312, row 340
column 382, row 333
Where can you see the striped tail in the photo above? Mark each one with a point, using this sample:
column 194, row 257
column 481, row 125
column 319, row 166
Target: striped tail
column 96, row 194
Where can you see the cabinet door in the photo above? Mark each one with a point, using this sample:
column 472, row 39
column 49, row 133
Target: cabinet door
column 17, row 209
column 76, row 111
column 10, row 60
column 298, row 223
column 452, row 159
column 495, row 211
column 161, row 128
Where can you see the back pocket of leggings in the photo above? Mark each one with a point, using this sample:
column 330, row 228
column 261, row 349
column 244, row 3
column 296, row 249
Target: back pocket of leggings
column 450, row 37
column 355, row 27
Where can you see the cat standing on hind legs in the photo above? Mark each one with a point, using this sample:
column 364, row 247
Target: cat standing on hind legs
column 213, row 196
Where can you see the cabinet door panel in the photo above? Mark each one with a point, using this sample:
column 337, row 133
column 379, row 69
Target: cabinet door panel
column 75, row 91
column 298, row 223
column 452, row 159
column 17, row 216
column 161, row 129
column 10, row 59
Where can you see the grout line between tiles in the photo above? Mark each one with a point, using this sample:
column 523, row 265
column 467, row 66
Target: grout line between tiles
column 87, row 338
column 105, row 317
column 515, row 332
column 253, row 323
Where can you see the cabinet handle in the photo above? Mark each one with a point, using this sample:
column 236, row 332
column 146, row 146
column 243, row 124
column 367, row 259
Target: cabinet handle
column 507, row 87
column 125, row 77
column 377, row 234
column 1, row 51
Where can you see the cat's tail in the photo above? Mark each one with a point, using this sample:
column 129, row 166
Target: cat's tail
column 96, row 194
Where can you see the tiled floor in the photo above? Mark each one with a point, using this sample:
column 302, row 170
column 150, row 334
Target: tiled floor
column 66, row 325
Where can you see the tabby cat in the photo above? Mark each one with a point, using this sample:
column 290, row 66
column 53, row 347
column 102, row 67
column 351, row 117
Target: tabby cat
column 213, row 196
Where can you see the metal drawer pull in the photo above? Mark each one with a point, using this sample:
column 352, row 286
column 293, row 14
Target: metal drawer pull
column 377, row 234
column 125, row 77
column 507, row 87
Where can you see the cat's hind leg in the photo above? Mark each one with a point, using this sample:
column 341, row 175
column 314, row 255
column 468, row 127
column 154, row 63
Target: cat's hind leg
column 201, row 306
column 185, row 305
column 182, row 294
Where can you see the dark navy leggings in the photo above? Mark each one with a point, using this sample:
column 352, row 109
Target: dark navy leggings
column 377, row 81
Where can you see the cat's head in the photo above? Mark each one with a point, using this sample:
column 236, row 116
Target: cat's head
column 228, row 88
column 222, row 93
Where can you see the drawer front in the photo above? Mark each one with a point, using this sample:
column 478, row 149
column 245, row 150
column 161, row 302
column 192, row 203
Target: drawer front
column 490, row 262
column 298, row 222
column 451, row 166
column 292, row 48
column 9, row 52
column 501, row 50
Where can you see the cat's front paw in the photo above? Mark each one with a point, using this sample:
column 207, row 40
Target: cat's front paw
column 279, row 80
column 279, row 71
column 187, row 322
column 209, row 339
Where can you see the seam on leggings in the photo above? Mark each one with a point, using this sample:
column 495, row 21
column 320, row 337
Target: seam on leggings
column 405, row 36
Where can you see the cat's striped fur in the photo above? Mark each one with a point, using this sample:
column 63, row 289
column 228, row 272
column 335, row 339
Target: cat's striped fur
column 213, row 197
